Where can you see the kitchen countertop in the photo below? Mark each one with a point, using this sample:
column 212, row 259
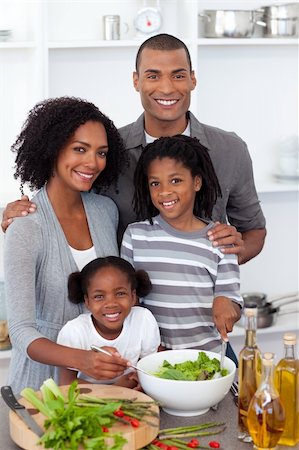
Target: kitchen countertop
column 227, row 412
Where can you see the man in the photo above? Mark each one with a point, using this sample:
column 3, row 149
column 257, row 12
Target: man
column 164, row 78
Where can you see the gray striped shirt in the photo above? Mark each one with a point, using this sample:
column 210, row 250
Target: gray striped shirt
column 187, row 273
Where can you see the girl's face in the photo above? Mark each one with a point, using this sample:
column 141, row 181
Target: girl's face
column 109, row 298
column 82, row 159
column 172, row 189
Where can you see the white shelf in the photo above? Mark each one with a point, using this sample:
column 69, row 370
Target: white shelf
column 94, row 44
column 17, row 45
column 200, row 42
column 248, row 41
column 272, row 186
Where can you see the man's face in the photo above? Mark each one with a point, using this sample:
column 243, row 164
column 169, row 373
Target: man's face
column 165, row 82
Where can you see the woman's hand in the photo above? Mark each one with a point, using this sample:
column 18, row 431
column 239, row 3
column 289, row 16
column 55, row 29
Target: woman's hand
column 225, row 314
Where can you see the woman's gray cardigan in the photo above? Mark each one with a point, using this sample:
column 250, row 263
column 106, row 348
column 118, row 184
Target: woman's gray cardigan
column 37, row 263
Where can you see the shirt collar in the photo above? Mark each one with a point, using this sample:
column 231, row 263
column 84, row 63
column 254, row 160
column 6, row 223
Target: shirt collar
column 136, row 136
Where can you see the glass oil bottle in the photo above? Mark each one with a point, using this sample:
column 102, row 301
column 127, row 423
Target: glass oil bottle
column 266, row 415
column 250, row 368
column 286, row 378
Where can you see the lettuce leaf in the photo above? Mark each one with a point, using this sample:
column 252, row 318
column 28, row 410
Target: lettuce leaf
column 203, row 368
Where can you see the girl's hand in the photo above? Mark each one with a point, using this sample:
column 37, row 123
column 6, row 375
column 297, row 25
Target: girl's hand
column 225, row 314
column 103, row 367
column 130, row 380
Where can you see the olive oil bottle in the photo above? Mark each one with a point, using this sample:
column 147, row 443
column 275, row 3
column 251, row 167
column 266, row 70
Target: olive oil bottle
column 266, row 415
column 250, row 369
column 286, row 380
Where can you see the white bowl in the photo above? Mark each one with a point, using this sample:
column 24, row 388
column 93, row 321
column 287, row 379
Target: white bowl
column 183, row 398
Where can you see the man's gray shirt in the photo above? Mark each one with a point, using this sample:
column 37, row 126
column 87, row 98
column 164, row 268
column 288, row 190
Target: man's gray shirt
column 239, row 204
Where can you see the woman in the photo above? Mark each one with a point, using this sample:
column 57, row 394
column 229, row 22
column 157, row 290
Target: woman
column 66, row 147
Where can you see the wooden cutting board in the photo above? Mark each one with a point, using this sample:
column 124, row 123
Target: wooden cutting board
column 136, row 437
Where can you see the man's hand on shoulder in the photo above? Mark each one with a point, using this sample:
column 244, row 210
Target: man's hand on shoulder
column 227, row 237
column 230, row 241
column 18, row 208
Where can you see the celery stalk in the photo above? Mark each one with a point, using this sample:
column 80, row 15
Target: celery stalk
column 54, row 388
column 46, row 393
column 30, row 395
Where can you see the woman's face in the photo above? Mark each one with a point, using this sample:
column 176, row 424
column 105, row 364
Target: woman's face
column 82, row 159
column 109, row 298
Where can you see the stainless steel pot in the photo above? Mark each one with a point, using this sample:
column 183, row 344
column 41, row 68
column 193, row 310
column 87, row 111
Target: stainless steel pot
column 268, row 312
column 281, row 20
column 287, row 11
column 229, row 24
column 276, row 28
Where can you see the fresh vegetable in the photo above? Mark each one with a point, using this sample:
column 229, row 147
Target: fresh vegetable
column 203, row 368
column 214, row 444
column 75, row 420
column 173, row 438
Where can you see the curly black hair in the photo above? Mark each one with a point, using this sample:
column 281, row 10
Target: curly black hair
column 47, row 129
column 78, row 281
column 194, row 156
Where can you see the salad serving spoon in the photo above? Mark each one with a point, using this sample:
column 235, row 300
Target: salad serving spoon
column 222, row 356
column 95, row 348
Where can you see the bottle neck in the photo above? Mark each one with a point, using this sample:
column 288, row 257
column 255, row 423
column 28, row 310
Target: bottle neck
column 250, row 340
column 267, row 381
column 289, row 351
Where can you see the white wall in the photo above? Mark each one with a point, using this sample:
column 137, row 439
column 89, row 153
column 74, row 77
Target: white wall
column 252, row 90
column 275, row 270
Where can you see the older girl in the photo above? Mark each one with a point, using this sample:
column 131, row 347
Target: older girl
column 195, row 297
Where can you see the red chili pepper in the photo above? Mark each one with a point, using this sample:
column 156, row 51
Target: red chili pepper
column 192, row 444
column 119, row 413
column 163, row 446
column 127, row 418
column 172, row 447
column 135, row 422
column 214, row 444
column 195, row 441
column 105, row 429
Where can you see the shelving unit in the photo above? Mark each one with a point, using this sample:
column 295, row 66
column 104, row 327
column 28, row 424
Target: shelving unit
column 50, row 52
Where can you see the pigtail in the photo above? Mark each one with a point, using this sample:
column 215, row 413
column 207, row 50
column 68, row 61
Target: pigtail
column 143, row 283
column 75, row 291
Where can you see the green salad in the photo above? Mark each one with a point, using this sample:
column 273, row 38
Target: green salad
column 203, row 368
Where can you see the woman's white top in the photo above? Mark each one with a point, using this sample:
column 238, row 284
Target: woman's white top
column 83, row 257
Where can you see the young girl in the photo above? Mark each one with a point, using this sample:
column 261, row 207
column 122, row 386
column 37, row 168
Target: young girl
column 195, row 286
column 109, row 286
column 66, row 148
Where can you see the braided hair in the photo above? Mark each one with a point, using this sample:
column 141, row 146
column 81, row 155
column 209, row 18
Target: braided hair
column 194, row 156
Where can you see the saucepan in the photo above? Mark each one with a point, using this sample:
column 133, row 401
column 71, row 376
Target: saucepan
column 281, row 20
column 268, row 311
column 229, row 24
